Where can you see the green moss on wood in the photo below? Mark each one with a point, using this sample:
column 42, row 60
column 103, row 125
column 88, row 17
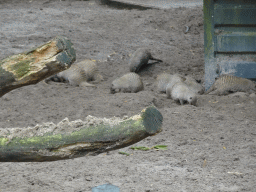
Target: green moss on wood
column 3, row 141
column 93, row 139
column 89, row 134
column 22, row 68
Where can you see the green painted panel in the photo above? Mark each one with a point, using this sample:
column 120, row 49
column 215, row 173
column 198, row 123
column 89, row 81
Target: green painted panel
column 208, row 29
column 210, row 65
column 240, row 69
column 235, row 15
column 246, row 70
column 234, row 2
column 229, row 38
column 236, row 42
column 237, row 28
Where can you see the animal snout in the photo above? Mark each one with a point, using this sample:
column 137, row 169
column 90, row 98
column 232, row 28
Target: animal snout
column 112, row 90
column 192, row 101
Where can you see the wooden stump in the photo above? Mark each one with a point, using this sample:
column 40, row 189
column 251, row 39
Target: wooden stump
column 88, row 140
column 36, row 64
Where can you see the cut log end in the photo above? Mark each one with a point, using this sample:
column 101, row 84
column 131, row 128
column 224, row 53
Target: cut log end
column 34, row 65
column 152, row 120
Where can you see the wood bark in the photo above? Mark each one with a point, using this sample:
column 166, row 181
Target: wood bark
column 34, row 65
column 86, row 141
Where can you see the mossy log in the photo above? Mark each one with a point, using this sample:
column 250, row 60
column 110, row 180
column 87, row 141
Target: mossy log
column 36, row 64
column 85, row 141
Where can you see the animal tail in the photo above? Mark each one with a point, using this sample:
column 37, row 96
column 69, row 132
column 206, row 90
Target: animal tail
column 152, row 58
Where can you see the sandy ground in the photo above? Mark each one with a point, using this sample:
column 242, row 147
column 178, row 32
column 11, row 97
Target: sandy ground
column 211, row 146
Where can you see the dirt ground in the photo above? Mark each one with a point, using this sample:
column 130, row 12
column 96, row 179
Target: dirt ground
column 211, row 146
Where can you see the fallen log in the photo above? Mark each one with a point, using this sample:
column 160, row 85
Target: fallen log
column 36, row 64
column 87, row 140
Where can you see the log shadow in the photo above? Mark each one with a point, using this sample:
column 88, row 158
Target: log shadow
column 121, row 5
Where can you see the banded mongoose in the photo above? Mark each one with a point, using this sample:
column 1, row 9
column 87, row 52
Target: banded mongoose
column 181, row 93
column 176, row 78
column 162, row 81
column 226, row 84
column 128, row 83
column 78, row 74
column 194, row 85
column 139, row 58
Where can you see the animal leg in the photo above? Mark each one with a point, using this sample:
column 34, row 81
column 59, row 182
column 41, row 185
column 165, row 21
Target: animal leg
column 215, row 92
column 98, row 78
column 211, row 89
column 86, row 84
column 219, row 92
column 223, row 92
column 181, row 101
